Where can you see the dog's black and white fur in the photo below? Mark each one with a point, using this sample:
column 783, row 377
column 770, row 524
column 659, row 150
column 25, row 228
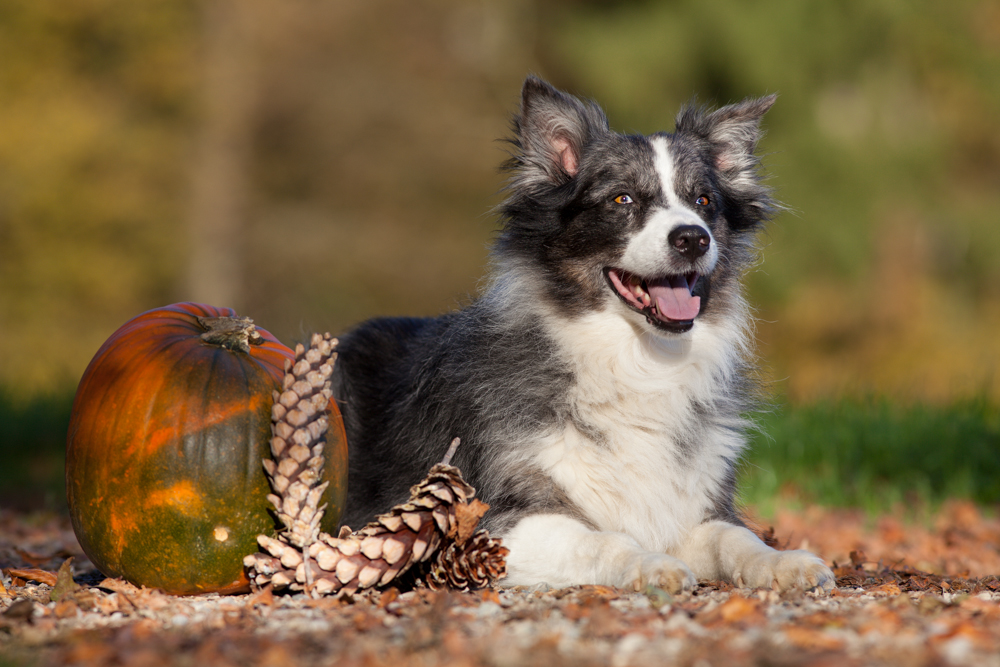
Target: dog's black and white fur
column 599, row 383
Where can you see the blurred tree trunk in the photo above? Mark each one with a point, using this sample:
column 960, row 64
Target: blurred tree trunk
column 220, row 172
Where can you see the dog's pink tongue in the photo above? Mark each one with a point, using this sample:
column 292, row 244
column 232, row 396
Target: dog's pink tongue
column 673, row 298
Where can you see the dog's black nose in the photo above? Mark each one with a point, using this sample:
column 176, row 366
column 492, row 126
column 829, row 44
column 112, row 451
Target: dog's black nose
column 692, row 241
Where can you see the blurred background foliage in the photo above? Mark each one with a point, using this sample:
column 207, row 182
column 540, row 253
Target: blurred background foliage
column 316, row 163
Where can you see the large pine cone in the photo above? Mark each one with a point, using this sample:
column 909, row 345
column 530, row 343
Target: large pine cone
column 299, row 424
column 437, row 513
column 436, row 527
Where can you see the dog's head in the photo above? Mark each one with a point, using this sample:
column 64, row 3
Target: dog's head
column 652, row 225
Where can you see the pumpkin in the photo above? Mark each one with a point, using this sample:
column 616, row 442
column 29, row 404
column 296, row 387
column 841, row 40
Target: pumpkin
column 170, row 423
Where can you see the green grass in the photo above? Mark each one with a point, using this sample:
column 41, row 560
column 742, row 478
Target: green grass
column 875, row 454
column 872, row 454
column 33, row 450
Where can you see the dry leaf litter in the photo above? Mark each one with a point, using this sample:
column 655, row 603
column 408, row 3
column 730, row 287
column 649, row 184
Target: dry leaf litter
column 884, row 612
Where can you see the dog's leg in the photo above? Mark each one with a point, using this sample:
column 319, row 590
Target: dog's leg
column 720, row 550
column 561, row 551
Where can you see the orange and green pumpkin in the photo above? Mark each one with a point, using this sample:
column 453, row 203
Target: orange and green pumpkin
column 163, row 457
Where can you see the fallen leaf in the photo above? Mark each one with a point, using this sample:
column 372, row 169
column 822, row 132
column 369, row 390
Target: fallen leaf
column 264, row 597
column 889, row 589
column 325, row 602
column 31, row 574
column 468, row 516
column 595, row 593
column 119, row 586
column 109, row 604
column 489, row 595
column 64, row 582
column 388, row 596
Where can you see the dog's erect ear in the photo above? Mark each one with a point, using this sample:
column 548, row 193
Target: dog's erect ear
column 730, row 137
column 552, row 130
column 732, row 131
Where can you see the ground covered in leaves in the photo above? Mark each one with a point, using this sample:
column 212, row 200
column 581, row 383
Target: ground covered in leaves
column 914, row 591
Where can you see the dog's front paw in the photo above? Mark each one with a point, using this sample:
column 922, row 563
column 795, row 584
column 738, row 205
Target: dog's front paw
column 785, row 570
column 661, row 571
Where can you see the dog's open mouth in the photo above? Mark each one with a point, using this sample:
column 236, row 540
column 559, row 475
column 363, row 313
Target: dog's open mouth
column 667, row 301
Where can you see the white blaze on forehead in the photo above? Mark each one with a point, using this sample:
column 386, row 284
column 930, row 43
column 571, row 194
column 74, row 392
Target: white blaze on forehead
column 663, row 162
column 647, row 253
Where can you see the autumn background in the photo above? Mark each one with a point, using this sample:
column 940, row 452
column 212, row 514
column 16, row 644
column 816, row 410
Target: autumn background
column 316, row 163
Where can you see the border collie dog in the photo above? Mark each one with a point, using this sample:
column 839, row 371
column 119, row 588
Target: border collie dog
column 600, row 382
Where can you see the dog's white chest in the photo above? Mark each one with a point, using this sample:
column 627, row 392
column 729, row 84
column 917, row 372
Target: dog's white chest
column 636, row 482
column 633, row 454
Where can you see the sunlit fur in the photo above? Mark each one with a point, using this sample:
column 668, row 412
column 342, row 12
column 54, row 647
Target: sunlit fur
column 605, row 437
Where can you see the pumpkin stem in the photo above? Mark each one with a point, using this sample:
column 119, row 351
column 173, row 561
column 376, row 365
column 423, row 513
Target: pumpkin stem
column 232, row 333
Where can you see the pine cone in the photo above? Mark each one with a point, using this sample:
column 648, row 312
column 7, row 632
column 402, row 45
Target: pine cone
column 476, row 563
column 299, row 426
column 438, row 514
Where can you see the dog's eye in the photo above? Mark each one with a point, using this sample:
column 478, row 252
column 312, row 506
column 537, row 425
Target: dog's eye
column 623, row 199
column 702, row 201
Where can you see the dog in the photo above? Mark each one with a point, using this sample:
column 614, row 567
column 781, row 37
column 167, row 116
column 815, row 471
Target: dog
column 599, row 383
